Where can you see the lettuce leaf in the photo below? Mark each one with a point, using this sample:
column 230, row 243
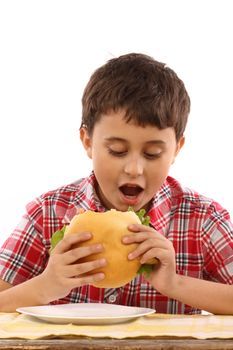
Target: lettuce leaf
column 145, row 269
column 145, row 220
column 57, row 237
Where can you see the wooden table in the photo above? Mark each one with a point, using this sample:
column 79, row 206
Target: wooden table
column 124, row 344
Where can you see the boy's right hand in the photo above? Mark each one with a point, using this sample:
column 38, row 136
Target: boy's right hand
column 64, row 272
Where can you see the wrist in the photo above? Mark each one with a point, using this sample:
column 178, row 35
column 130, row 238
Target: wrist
column 176, row 286
column 39, row 291
column 170, row 288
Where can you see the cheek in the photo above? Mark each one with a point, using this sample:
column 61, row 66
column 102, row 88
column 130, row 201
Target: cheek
column 102, row 159
column 104, row 164
column 159, row 171
column 162, row 165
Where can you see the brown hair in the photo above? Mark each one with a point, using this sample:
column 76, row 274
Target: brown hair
column 148, row 91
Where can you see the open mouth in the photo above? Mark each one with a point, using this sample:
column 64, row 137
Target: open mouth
column 131, row 190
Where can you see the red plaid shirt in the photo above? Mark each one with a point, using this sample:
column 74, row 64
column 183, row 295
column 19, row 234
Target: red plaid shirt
column 199, row 228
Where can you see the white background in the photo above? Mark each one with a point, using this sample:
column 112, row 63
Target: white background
column 48, row 49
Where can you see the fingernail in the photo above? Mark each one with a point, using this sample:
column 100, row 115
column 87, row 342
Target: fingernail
column 130, row 256
column 99, row 276
column 132, row 226
column 87, row 235
column 102, row 262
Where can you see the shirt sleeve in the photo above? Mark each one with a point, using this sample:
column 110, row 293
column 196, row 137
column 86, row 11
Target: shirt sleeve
column 25, row 253
column 218, row 246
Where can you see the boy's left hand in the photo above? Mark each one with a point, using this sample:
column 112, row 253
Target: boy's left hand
column 152, row 244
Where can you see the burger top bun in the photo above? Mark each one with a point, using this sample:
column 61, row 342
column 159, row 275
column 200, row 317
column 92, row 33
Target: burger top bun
column 107, row 229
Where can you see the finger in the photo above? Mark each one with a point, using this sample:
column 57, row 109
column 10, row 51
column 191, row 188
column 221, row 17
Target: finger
column 84, row 280
column 66, row 243
column 77, row 270
column 151, row 261
column 139, row 237
column 154, row 254
column 73, row 255
column 140, row 227
column 163, row 253
column 165, row 256
column 146, row 246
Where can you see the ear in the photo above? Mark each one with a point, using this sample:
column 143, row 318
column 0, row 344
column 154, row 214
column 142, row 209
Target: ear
column 179, row 145
column 86, row 141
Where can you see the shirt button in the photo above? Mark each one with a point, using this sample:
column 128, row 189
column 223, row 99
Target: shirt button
column 112, row 298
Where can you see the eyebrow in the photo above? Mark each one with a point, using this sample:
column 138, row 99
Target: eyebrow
column 119, row 139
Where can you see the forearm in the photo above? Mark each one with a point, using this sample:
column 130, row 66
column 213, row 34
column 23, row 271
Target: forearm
column 213, row 297
column 29, row 293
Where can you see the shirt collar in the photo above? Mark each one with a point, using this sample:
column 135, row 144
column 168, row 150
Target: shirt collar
column 91, row 200
column 87, row 199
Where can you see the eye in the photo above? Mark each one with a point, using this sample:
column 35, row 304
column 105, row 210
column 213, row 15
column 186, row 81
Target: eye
column 152, row 155
column 117, row 153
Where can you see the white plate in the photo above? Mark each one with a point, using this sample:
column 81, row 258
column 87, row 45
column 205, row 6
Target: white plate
column 85, row 313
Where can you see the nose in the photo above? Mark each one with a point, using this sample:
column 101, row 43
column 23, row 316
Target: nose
column 134, row 167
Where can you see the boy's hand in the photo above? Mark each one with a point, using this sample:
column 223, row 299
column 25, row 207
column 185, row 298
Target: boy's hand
column 64, row 272
column 152, row 244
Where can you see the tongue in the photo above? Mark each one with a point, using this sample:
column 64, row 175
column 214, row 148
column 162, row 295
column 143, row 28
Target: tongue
column 130, row 190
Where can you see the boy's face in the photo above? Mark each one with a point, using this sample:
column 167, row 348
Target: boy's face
column 130, row 162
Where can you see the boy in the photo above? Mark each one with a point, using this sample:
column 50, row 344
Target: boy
column 135, row 111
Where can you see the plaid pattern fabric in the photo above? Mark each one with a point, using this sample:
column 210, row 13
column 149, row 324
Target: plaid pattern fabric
column 199, row 228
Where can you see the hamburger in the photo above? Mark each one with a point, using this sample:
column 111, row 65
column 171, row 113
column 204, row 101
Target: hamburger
column 108, row 228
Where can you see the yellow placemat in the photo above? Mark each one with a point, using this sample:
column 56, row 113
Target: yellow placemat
column 14, row 325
